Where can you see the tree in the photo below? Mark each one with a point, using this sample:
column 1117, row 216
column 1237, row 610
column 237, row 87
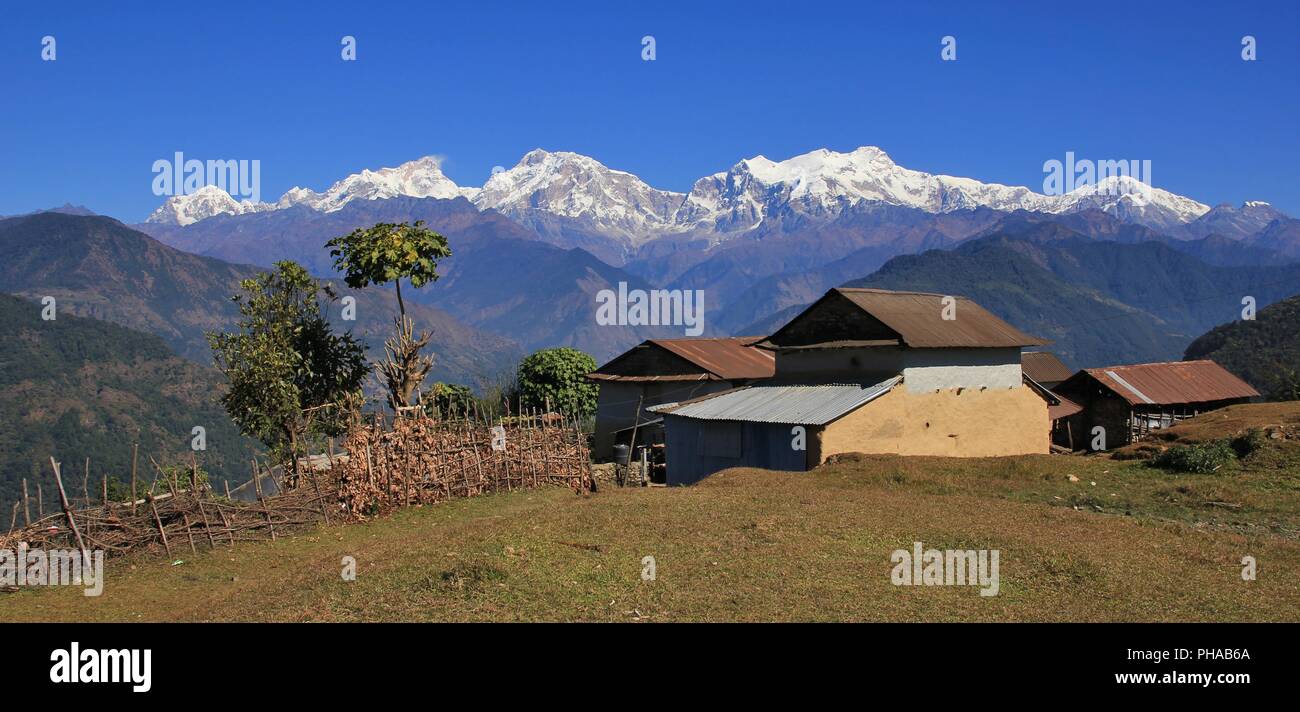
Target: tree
column 554, row 377
column 450, row 397
column 291, row 378
column 391, row 252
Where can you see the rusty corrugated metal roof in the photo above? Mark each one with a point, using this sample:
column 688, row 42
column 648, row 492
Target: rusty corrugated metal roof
column 1172, row 383
column 719, row 359
column 1044, row 366
column 917, row 317
column 1064, row 409
column 598, row 376
column 727, row 358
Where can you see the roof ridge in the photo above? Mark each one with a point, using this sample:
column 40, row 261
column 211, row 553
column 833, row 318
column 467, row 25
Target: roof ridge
column 1154, row 363
column 877, row 290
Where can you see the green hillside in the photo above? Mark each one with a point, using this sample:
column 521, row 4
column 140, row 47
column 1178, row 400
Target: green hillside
column 97, row 267
column 1099, row 302
column 74, row 387
column 1264, row 351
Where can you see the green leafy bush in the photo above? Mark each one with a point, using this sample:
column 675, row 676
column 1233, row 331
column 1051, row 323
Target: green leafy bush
column 554, row 378
column 1204, row 458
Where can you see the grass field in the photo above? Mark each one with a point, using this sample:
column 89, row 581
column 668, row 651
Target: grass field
column 1120, row 541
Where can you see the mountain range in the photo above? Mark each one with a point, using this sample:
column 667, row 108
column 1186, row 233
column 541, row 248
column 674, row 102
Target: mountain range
column 534, row 245
column 575, row 201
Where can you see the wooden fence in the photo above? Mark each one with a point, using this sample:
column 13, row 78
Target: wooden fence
column 419, row 460
column 423, row 460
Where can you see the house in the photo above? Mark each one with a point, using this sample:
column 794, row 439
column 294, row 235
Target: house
column 1045, row 368
column 872, row 371
column 665, row 370
column 1127, row 402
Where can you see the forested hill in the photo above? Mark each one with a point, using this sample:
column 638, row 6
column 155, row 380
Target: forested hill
column 75, row 387
column 1264, row 351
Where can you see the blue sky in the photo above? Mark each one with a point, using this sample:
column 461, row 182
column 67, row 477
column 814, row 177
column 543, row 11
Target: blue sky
column 481, row 83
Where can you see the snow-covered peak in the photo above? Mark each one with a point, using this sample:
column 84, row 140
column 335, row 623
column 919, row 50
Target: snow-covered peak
column 421, row 178
column 579, row 187
column 825, row 181
column 1131, row 200
column 561, row 193
column 203, row 203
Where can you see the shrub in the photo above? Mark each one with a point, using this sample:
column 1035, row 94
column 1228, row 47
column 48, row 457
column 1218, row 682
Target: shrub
column 554, row 378
column 1249, row 442
column 1204, row 458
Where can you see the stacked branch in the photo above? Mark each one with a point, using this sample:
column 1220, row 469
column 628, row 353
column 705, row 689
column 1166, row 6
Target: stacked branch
column 424, row 460
column 183, row 518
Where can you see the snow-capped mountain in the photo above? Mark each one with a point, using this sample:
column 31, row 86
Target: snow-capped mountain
column 576, row 200
column 421, row 178
column 569, row 185
column 1131, row 201
column 203, row 203
column 824, row 182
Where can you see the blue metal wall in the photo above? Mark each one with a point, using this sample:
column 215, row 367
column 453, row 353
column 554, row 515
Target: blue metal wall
column 764, row 445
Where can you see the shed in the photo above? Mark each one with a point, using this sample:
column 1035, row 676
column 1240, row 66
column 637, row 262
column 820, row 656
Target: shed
column 663, row 370
column 1128, row 402
column 770, row 427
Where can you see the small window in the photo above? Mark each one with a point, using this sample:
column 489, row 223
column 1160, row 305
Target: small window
column 720, row 439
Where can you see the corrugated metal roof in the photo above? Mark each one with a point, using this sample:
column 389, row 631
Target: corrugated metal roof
column 726, row 358
column 598, row 376
column 1044, row 367
column 1064, row 409
column 792, row 405
column 1172, row 383
column 918, row 319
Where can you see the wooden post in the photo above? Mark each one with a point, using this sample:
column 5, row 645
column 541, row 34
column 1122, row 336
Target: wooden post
column 103, row 485
column 85, row 484
column 207, row 525
column 40, row 502
column 185, row 518
column 67, row 512
column 227, row 484
column 27, row 511
column 257, row 485
column 226, row 522
column 158, row 520
column 135, row 451
column 13, row 519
